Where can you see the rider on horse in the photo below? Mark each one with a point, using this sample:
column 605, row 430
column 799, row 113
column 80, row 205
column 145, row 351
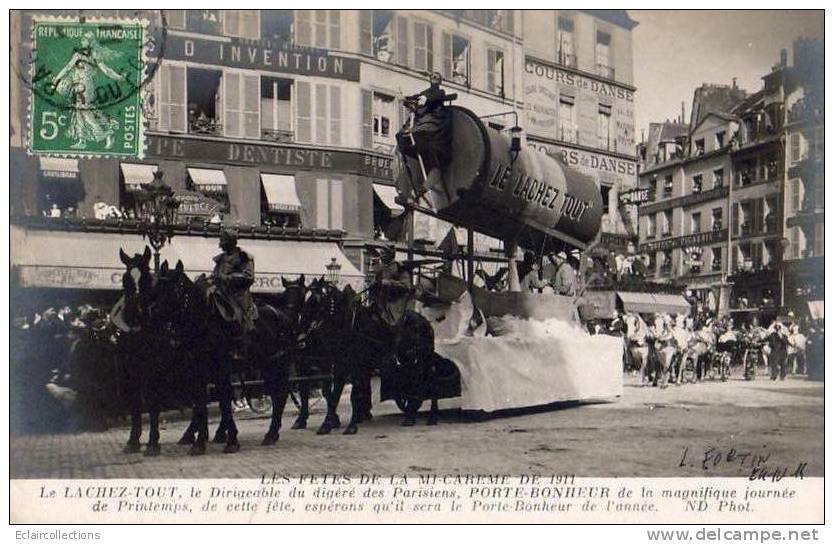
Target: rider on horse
column 391, row 288
column 232, row 277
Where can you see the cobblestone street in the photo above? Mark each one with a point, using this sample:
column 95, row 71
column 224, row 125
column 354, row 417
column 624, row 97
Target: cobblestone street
column 648, row 432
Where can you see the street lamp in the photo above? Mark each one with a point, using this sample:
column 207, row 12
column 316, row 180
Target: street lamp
column 155, row 207
column 333, row 271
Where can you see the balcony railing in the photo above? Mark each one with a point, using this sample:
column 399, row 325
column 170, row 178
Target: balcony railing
column 605, row 71
column 279, row 136
column 206, row 126
column 568, row 133
column 566, row 59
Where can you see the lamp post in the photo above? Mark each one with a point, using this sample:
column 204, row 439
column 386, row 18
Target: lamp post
column 155, row 207
column 333, row 271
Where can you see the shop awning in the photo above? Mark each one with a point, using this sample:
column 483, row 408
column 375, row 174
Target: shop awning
column 136, row 175
column 817, row 309
column 56, row 167
column 671, row 304
column 280, row 193
column 206, row 179
column 388, row 195
column 91, row 261
column 641, row 303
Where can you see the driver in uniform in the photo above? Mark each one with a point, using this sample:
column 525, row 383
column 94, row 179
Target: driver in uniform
column 391, row 287
column 232, row 277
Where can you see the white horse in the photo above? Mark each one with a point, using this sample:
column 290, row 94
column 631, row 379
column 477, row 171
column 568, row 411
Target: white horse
column 637, row 342
column 666, row 347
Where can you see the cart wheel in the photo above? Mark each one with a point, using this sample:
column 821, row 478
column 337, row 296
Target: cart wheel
column 402, row 404
column 259, row 405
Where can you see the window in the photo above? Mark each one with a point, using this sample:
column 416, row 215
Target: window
column 242, row 101
column 318, row 28
column 329, row 205
column 276, row 109
column 697, row 183
column 423, row 47
column 204, row 101
column 242, row 23
column 568, row 131
column 384, row 36
column 718, row 177
column 819, row 239
column 171, row 114
column 206, row 21
column 456, row 58
column 651, row 226
column 495, row 72
column 668, row 185
column 700, row 146
column 280, row 206
column 796, row 147
column 716, row 259
column 746, row 218
column 695, row 225
column 796, row 195
column 717, row 218
column 564, row 48
column 604, row 127
column 276, row 27
column 719, row 139
column 770, row 212
column 666, row 263
column 796, row 242
column 318, row 114
column 175, row 18
column 667, row 223
column 603, row 55
column 381, row 121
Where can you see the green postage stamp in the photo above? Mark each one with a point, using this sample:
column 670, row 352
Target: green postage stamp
column 86, row 86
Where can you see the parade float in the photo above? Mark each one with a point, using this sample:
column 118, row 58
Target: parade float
column 512, row 349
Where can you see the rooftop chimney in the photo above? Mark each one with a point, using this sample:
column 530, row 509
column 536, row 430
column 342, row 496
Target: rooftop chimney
column 734, row 83
column 683, row 111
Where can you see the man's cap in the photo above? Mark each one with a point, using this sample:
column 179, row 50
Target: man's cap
column 575, row 253
column 228, row 235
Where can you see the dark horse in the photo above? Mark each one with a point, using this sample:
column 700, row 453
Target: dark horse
column 143, row 349
column 209, row 338
column 358, row 343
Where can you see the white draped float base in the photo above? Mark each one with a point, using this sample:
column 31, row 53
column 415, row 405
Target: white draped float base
column 526, row 362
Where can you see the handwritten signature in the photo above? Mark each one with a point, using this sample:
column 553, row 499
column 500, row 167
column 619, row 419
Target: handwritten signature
column 757, row 464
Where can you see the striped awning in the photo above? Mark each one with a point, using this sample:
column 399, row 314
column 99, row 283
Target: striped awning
column 136, row 175
column 209, row 180
column 280, row 192
column 388, row 195
column 57, row 167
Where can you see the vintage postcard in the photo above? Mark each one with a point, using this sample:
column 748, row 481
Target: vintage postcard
column 417, row 266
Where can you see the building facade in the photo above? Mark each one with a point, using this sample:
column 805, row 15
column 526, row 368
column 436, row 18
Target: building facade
column 282, row 123
column 733, row 203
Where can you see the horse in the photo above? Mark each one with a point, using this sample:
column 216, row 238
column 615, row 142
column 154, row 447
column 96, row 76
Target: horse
column 210, row 338
column 360, row 343
column 140, row 348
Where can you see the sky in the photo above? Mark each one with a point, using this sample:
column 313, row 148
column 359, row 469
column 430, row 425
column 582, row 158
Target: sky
column 677, row 51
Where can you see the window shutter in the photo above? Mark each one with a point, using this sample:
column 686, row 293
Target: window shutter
column 163, row 98
column 302, row 111
column 366, row 35
column 367, row 119
column 321, row 113
column 736, row 226
column 251, row 106
column 447, row 56
column 429, row 49
column 336, row 204
column 490, row 74
column 420, row 46
column 231, row 22
column 335, row 115
column 231, row 115
column 402, row 41
column 322, row 204
column 178, row 114
column 335, row 29
column 320, row 28
column 302, row 28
